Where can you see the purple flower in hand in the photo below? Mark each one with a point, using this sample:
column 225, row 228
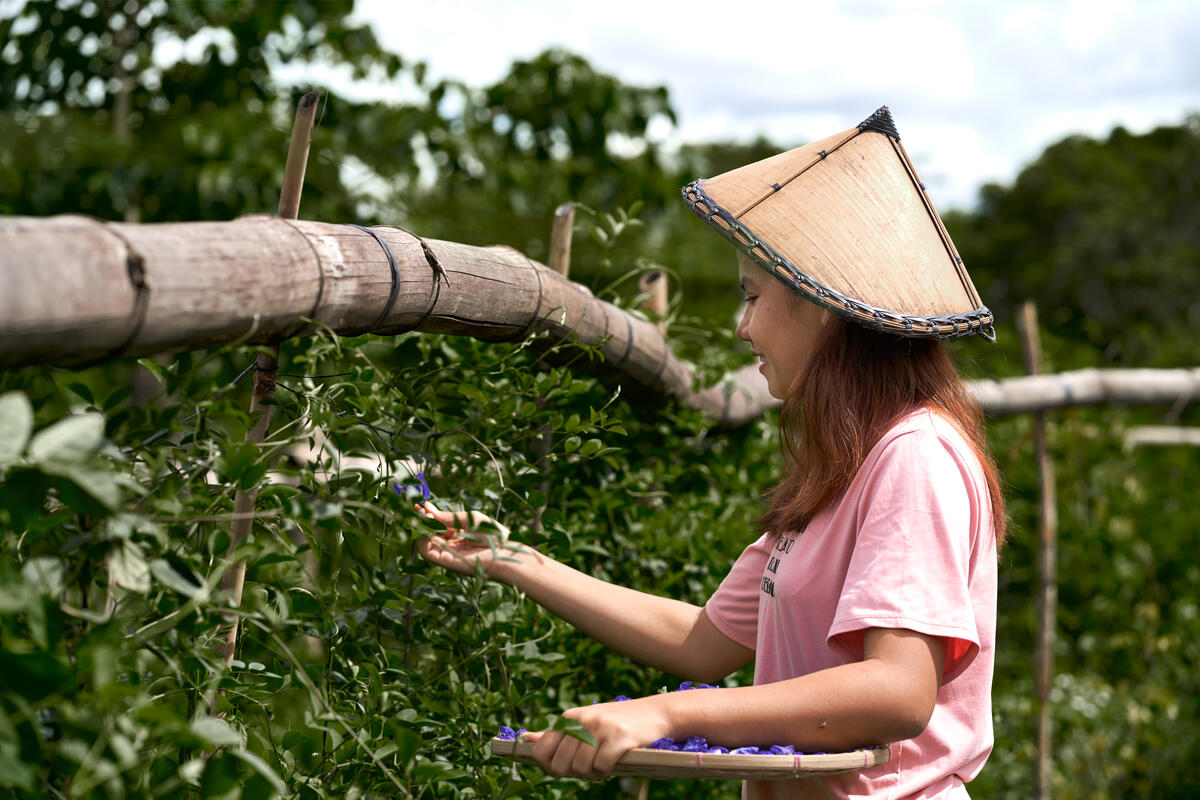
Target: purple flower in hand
column 421, row 487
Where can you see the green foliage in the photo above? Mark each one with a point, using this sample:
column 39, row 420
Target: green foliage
column 360, row 669
column 1105, row 235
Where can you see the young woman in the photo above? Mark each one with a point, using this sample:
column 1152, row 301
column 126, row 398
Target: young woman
column 868, row 604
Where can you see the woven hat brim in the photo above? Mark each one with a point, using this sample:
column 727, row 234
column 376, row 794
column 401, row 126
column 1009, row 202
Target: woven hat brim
column 977, row 321
column 846, row 223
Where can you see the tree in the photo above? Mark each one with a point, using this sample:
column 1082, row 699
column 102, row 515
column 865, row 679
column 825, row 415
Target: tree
column 171, row 110
column 1105, row 235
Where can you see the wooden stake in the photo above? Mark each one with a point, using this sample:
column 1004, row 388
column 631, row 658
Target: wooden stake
column 653, row 285
column 297, row 157
column 265, row 368
column 560, row 239
column 560, row 262
column 1047, row 560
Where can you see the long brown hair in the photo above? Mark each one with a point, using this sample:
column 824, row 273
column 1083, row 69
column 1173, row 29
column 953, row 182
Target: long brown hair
column 856, row 384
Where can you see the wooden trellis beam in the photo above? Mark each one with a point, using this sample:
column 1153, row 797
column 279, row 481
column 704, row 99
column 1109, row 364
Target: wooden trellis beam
column 75, row 290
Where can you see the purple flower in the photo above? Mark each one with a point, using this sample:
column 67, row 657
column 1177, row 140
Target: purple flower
column 746, row 751
column 666, row 743
column 717, row 749
column 620, row 698
column 421, row 486
column 696, row 744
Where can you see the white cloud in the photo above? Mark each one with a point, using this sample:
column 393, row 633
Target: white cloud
column 977, row 89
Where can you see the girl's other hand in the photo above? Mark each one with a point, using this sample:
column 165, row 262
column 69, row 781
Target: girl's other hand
column 618, row 727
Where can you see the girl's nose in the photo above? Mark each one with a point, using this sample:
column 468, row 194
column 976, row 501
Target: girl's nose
column 743, row 326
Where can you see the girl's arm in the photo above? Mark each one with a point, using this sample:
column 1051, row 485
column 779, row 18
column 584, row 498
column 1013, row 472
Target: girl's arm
column 886, row 697
column 670, row 635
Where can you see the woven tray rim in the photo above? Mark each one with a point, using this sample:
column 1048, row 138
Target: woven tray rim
column 648, row 763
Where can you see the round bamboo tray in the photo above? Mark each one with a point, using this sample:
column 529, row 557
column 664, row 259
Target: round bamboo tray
column 647, row 763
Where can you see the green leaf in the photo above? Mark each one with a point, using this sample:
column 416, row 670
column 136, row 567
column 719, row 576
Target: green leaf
column 433, row 771
column 16, row 423
column 408, row 742
column 34, row 676
column 154, row 368
column 72, row 439
column 101, row 485
column 222, row 778
column 236, row 459
column 256, row 763
column 128, row 567
column 574, row 728
column 251, row 476
column 13, row 772
column 472, row 393
column 83, row 391
column 162, row 570
column 216, row 732
column 45, row 574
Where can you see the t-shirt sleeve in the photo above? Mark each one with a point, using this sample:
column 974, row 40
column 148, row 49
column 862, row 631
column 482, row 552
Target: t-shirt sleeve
column 733, row 608
column 911, row 561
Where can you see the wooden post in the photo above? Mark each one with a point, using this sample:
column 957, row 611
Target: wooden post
column 560, row 262
column 1047, row 560
column 653, row 286
column 266, row 367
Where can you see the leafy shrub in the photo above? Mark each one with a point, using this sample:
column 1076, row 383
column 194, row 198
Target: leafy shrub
column 360, row 669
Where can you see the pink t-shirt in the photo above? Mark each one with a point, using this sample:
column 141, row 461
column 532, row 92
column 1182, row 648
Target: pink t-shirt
column 910, row 545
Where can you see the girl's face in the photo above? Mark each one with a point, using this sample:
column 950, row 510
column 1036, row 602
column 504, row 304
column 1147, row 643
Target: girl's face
column 781, row 328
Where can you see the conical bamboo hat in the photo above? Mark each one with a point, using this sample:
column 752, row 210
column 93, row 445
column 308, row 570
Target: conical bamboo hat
column 846, row 223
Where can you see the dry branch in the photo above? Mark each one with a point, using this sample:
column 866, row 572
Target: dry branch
column 75, row 290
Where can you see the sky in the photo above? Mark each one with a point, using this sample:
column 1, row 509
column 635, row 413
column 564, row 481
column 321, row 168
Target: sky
column 977, row 89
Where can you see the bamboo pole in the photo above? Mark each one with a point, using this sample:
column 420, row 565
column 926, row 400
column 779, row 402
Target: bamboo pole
column 1047, row 560
column 68, row 296
column 265, row 369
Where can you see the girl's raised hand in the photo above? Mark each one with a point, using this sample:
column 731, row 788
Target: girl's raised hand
column 471, row 538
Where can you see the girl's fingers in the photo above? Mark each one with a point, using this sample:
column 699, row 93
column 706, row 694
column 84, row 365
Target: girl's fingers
column 606, row 759
column 456, row 521
column 583, row 764
column 563, row 760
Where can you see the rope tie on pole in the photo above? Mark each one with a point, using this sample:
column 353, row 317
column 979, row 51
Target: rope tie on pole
column 439, row 275
column 136, row 267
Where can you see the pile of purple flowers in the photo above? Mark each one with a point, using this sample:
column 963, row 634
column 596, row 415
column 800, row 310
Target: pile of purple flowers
column 508, row 734
column 693, row 744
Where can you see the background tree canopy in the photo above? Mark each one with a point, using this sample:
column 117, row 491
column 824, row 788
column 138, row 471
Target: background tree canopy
column 361, row 671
